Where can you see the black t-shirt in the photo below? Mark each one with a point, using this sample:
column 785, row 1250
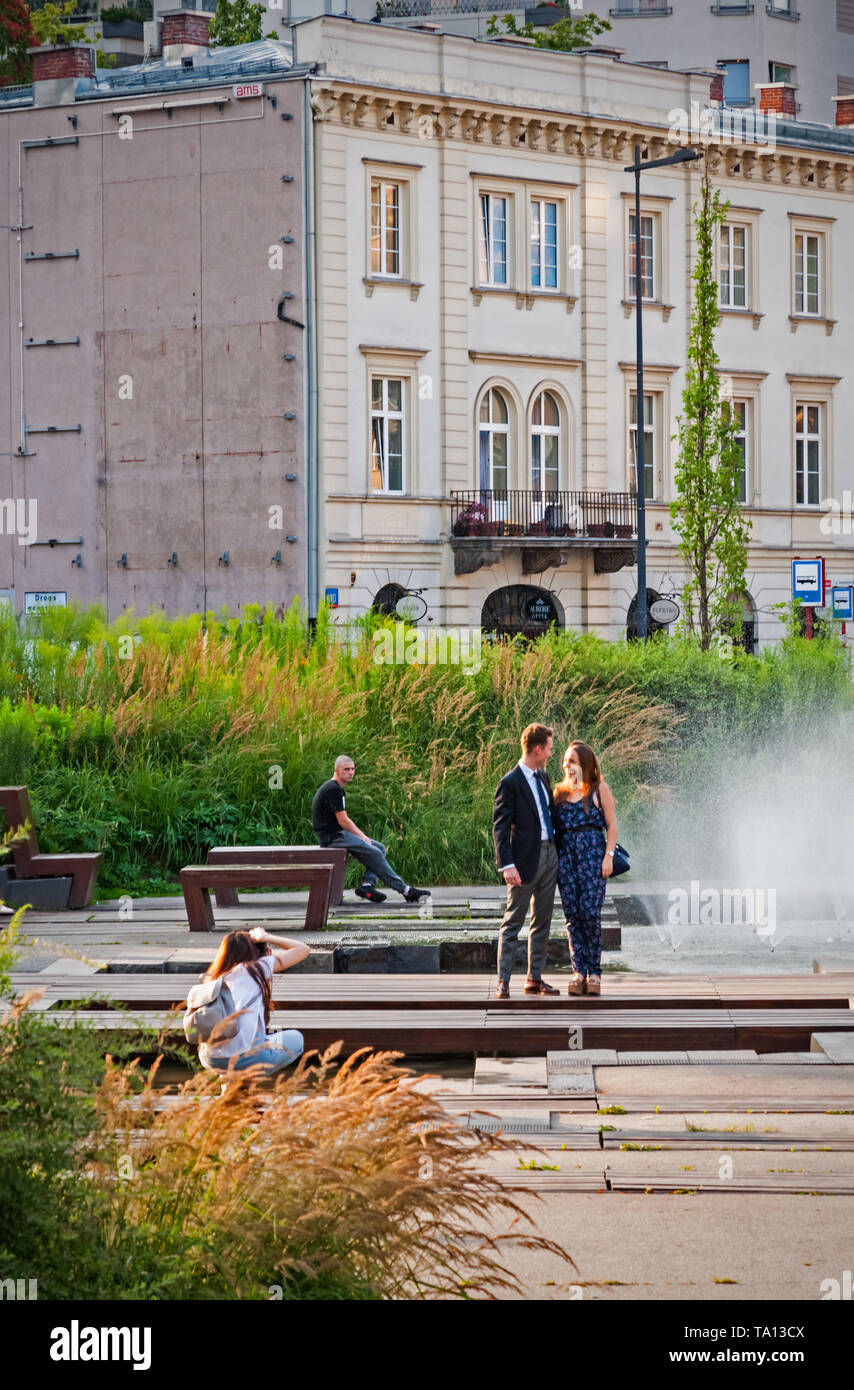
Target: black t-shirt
column 327, row 800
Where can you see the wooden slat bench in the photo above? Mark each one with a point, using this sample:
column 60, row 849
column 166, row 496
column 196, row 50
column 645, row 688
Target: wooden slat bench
column 31, row 863
column 226, row 896
column 198, row 879
column 426, row 992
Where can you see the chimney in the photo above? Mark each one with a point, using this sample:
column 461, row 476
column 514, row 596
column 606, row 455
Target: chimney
column 184, row 33
column 778, row 97
column 59, row 72
column 716, row 90
column 844, row 109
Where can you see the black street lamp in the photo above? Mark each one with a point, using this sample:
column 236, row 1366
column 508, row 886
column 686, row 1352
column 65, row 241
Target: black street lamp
column 681, row 157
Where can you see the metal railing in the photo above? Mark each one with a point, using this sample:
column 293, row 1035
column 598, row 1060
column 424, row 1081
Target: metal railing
column 403, row 9
column 526, row 514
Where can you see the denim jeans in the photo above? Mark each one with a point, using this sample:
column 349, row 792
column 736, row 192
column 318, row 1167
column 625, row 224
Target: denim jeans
column 372, row 856
column 274, row 1050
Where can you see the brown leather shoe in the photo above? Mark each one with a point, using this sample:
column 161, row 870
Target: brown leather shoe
column 539, row 987
column 503, row 990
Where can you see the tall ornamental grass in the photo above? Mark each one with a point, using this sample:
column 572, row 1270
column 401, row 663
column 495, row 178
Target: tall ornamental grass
column 152, row 739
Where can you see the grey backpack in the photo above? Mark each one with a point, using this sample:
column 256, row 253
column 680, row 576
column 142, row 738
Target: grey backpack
column 208, row 1004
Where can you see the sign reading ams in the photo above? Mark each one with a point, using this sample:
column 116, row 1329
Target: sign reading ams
column 248, row 89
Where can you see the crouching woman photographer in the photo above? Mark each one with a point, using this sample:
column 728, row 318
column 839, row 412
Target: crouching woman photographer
column 247, row 961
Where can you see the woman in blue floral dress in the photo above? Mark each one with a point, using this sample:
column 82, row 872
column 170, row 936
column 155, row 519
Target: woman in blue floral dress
column 584, row 807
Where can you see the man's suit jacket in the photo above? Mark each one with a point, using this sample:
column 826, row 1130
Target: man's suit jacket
column 516, row 830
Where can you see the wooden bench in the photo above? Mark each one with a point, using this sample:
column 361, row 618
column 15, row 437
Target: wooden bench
column 31, row 863
column 279, row 854
column 198, row 879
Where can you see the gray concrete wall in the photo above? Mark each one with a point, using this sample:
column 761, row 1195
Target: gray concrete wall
column 174, row 299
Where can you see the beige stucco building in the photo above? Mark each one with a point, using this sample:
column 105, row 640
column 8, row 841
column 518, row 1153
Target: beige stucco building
column 476, row 330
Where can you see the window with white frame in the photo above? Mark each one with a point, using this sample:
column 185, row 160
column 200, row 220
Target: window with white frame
column 808, row 268
column 544, row 243
column 388, row 433
column 733, row 266
column 494, row 442
column 650, row 459
column 648, row 256
column 545, row 443
column 494, row 212
column 741, row 440
column 808, row 453
column 387, row 196
column 781, row 72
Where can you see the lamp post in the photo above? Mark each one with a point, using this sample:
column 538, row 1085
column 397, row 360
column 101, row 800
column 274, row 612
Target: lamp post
column 681, row 157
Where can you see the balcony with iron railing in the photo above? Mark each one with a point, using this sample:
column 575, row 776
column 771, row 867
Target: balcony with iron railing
column 545, row 526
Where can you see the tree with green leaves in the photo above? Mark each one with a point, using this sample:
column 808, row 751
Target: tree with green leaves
column 707, row 511
column 566, row 35
column 235, row 22
column 16, row 36
column 51, row 26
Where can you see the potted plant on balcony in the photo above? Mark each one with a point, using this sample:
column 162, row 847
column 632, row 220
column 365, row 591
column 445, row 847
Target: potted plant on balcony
column 472, row 521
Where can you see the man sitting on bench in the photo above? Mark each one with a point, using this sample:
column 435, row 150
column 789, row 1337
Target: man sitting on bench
column 333, row 826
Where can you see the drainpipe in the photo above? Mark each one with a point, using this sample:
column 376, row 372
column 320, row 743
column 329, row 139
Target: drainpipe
column 310, row 373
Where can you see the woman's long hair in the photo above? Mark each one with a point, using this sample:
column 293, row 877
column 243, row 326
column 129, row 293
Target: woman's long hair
column 591, row 774
column 239, row 948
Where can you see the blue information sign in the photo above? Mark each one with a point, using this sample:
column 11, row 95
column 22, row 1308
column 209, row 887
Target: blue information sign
column 332, row 598
column 842, row 601
column 808, row 581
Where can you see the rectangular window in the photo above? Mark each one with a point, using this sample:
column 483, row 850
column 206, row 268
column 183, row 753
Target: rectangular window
column 492, row 240
column 781, row 72
column 647, row 256
column 388, row 423
column 736, row 81
column 807, row 273
column 733, row 267
column 386, row 203
column 543, row 244
column 807, row 454
column 740, row 413
column 649, row 460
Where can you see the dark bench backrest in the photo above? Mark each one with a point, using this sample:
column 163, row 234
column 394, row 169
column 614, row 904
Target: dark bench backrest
column 16, row 808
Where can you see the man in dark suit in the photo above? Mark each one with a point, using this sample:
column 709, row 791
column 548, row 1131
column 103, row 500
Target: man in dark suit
column 526, row 854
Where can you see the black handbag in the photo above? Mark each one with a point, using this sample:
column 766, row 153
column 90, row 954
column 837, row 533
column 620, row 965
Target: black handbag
column 621, row 861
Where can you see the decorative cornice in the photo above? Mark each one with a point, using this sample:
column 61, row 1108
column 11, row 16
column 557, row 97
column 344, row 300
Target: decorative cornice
column 524, row 359
column 588, row 137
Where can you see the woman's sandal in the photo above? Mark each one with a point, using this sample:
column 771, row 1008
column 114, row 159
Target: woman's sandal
column 576, row 984
column 594, row 984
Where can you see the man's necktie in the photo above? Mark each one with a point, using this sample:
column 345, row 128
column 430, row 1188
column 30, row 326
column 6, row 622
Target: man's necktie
column 544, row 803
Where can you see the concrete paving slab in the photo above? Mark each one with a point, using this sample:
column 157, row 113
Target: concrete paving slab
column 667, row 1247
column 755, row 1080
column 511, row 1073
column 562, row 1061
column 839, row 1047
column 572, row 1082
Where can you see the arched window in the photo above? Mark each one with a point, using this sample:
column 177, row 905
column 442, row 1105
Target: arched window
column 494, row 442
column 386, row 600
column 521, row 610
column 545, row 444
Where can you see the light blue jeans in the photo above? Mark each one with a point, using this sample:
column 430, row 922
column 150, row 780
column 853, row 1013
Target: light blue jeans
column 274, row 1051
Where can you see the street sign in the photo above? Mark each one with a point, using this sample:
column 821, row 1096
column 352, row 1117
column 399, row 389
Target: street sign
column 808, row 581
column 35, row 600
column 842, row 601
column 664, row 610
column 331, row 596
